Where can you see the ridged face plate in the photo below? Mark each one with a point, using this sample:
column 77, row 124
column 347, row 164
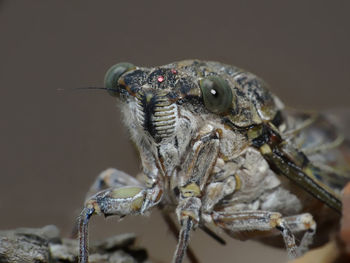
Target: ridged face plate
column 156, row 115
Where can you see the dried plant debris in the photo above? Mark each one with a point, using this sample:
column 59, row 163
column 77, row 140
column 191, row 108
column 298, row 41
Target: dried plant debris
column 43, row 245
column 345, row 223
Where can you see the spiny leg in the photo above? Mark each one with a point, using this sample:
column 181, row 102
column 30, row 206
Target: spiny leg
column 174, row 229
column 299, row 223
column 289, row 239
column 116, row 201
column 187, row 213
column 196, row 170
column 108, row 178
column 111, row 177
column 184, row 238
column 83, row 234
column 251, row 224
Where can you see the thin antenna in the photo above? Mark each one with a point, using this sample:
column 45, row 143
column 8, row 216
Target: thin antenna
column 115, row 90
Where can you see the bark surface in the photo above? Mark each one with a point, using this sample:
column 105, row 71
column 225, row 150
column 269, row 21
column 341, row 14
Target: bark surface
column 44, row 245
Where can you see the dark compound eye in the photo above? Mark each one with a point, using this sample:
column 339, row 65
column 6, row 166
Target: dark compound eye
column 112, row 77
column 217, row 94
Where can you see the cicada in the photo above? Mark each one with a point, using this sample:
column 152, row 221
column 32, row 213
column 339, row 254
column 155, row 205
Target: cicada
column 219, row 150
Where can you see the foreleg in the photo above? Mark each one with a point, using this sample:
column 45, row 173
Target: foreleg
column 107, row 179
column 111, row 177
column 120, row 201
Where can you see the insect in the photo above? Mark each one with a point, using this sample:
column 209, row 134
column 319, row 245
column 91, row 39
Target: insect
column 218, row 149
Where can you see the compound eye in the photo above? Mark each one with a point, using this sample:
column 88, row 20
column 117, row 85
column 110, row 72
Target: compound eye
column 217, row 94
column 112, row 77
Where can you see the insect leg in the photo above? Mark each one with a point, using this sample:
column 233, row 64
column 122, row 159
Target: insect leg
column 83, row 234
column 289, row 239
column 108, row 178
column 111, row 178
column 299, row 223
column 252, row 224
column 120, row 201
column 184, row 237
column 197, row 168
column 188, row 216
column 174, row 229
column 199, row 162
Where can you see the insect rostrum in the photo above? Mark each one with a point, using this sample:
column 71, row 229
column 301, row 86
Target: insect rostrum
column 218, row 149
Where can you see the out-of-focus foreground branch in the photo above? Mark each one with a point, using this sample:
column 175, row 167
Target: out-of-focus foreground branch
column 43, row 245
column 338, row 249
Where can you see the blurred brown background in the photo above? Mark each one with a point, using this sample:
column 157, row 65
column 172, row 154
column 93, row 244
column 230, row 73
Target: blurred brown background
column 55, row 140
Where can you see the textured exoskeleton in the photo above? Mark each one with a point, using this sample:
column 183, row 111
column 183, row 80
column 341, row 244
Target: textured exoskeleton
column 219, row 150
